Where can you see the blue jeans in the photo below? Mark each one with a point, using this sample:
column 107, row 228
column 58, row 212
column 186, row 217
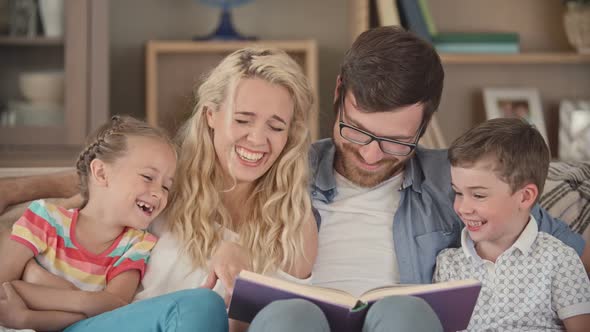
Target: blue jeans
column 188, row 310
column 391, row 314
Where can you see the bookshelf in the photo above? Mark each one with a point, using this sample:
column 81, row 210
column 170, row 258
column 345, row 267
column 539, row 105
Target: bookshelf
column 82, row 54
column 546, row 62
column 173, row 68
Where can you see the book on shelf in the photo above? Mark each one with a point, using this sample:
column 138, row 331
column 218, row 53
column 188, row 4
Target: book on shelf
column 452, row 301
column 477, row 42
column 412, row 18
column 416, row 17
column 476, row 37
column 387, row 12
column 477, row 48
column 425, row 10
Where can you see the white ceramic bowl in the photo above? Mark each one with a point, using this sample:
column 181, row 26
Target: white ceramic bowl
column 42, row 87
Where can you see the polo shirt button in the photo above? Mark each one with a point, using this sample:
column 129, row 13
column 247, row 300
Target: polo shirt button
column 314, row 193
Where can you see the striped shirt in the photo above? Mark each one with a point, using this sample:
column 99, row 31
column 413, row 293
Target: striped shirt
column 49, row 231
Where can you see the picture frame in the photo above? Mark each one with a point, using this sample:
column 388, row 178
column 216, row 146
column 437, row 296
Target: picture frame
column 574, row 130
column 515, row 102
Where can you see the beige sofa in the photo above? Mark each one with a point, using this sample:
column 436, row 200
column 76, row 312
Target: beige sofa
column 566, row 195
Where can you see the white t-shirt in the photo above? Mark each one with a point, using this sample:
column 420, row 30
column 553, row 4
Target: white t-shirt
column 168, row 271
column 355, row 250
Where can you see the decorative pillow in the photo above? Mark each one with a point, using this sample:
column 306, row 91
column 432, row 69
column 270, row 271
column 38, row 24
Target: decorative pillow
column 567, row 195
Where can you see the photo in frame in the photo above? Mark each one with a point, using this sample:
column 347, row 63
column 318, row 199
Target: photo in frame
column 515, row 103
column 574, row 130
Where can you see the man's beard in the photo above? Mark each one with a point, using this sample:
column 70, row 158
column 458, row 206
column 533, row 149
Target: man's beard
column 345, row 165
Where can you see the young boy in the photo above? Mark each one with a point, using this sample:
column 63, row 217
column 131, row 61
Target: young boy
column 531, row 280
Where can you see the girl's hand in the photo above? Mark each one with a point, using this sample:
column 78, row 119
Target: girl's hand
column 13, row 310
column 226, row 263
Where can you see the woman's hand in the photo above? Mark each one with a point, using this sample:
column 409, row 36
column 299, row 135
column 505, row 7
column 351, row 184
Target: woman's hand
column 226, row 263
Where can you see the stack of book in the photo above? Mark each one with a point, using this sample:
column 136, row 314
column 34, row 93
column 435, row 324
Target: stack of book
column 473, row 42
column 415, row 16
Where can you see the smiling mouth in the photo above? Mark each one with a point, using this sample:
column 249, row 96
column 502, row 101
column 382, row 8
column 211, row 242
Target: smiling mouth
column 474, row 223
column 369, row 167
column 248, row 156
column 145, row 207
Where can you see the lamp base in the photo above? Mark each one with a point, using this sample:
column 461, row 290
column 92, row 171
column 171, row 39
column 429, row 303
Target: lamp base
column 225, row 30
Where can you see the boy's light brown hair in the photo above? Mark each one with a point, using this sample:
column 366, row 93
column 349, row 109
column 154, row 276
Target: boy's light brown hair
column 520, row 152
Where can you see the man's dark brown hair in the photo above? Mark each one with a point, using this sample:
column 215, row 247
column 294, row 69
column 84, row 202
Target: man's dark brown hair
column 389, row 67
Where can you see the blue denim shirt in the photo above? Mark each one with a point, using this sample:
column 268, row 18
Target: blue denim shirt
column 425, row 222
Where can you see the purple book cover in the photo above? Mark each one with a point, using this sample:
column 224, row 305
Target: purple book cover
column 453, row 306
column 250, row 297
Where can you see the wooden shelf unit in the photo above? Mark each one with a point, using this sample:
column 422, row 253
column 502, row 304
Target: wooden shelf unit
column 546, row 62
column 83, row 55
column 517, row 59
column 174, row 67
column 30, row 41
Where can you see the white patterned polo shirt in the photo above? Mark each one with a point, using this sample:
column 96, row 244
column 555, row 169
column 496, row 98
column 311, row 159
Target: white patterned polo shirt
column 533, row 286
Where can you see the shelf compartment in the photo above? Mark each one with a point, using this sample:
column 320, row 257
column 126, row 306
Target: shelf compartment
column 30, row 41
column 520, row 58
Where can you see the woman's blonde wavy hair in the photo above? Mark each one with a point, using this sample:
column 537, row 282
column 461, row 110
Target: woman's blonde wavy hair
column 279, row 204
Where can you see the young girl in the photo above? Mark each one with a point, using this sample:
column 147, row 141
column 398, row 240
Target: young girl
column 99, row 251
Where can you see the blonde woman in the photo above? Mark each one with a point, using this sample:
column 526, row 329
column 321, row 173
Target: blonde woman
column 240, row 198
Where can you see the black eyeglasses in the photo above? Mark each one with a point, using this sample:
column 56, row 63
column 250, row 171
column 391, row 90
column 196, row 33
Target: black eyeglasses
column 387, row 145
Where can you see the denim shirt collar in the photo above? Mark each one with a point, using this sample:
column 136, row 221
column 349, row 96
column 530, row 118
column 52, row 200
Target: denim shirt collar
column 322, row 182
column 413, row 174
column 324, row 177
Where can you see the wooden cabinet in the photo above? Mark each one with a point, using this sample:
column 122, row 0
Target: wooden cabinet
column 82, row 55
column 546, row 61
column 174, row 68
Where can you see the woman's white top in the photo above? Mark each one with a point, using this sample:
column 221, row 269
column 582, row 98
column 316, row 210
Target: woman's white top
column 169, row 271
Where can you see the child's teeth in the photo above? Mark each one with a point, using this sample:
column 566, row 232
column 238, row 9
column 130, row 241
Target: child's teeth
column 145, row 205
column 475, row 223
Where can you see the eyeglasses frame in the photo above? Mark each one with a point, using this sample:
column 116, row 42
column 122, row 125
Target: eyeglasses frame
column 342, row 125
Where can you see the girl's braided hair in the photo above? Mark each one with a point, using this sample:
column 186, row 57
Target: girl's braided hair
column 109, row 142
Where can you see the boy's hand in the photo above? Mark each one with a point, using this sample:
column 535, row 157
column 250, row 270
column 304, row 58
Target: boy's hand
column 13, row 310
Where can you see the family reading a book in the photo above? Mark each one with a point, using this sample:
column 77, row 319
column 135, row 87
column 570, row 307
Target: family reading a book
column 364, row 209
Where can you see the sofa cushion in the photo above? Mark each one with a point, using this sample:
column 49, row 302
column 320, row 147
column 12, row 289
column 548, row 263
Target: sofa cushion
column 567, row 195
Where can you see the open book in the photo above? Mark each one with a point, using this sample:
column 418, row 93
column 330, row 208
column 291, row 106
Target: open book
column 452, row 301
